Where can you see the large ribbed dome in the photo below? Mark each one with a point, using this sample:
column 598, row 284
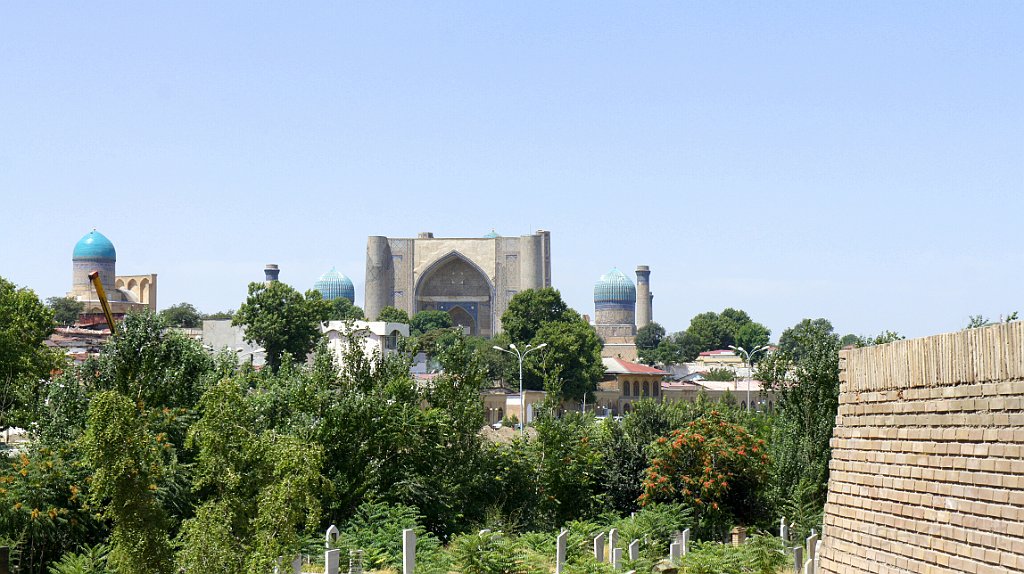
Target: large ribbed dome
column 94, row 246
column 333, row 285
column 614, row 287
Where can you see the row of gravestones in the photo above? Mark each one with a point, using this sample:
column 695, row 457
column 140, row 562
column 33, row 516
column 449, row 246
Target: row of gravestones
column 677, row 549
column 811, row 547
column 332, row 557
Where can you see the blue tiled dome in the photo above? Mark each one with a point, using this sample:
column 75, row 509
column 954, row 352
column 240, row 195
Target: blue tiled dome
column 94, row 246
column 614, row 287
column 333, row 285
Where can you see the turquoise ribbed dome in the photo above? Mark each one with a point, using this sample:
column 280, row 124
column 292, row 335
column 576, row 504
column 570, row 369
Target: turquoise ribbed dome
column 94, row 246
column 614, row 287
column 333, row 285
column 492, row 235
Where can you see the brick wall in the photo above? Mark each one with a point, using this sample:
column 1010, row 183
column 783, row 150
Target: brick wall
column 927, row 470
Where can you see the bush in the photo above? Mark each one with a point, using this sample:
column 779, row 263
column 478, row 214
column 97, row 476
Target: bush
column 494, row 553
column 376, row 529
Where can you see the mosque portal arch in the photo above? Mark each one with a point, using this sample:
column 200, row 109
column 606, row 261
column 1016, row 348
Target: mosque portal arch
column 458, row 286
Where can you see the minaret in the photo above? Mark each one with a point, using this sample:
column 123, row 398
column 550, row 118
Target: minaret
column 271, row 272
column 644, row 297
column 380, row 276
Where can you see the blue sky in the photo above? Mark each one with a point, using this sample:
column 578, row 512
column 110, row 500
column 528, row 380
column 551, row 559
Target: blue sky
column 860, row 161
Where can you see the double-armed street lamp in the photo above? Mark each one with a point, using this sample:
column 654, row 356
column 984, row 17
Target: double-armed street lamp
column 522, row 399
column 748, row 356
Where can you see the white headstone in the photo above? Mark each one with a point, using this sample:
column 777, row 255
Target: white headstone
column 817, row 556
column 332, row 561
column 812, row 542
column 408, row 551
column 613, row 538
column 675, row 551
column 297, row 565
column 798, row 558
column 809, row 566
column 331, row 537
column 616, row 558
column 599, row 547
column 563, row 539
column 783, row 530
column 485, row 531
column 634, row 550
column 686, row 541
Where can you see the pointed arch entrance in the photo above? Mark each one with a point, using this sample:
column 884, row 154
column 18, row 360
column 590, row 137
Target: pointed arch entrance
column 456, row 285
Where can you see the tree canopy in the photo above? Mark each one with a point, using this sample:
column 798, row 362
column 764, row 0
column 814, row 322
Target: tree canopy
column 25, row 323
column 393, row 315
column 430, row 320
column 65, row 310
column 573, row 352
column 183, row 315
column 343, row 310
column 282, row 320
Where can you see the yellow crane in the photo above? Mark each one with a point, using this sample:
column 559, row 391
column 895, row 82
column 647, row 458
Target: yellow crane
column 98, row 284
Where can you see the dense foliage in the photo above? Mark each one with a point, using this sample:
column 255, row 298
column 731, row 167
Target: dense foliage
column 282, row 320
column 158, row 457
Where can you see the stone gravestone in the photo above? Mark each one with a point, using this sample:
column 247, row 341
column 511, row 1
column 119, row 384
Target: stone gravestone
column 355, row 562
column 812, row 542
column 560, row 543
column 616, row 558
column 675, row 551
column 685, row 541
column 809, row 566
column 331, row 537
column 784, row 530
column 613, row 538
column 798, row 558
column 332, row 561
column 634, row 550
column 817, row 556
column 599, row 547
column 408, row 551
column 297, row 565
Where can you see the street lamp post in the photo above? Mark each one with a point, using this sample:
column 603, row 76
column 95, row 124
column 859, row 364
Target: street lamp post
column 748, row 356
column 520, row 355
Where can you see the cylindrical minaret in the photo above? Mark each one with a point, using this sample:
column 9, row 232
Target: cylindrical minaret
column 531, row 262
column 380, row 276
column 271, row 271
column 94, row 252
column 644, row 298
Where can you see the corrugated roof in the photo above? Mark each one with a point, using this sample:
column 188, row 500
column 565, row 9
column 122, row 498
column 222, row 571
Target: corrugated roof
column 618, row 366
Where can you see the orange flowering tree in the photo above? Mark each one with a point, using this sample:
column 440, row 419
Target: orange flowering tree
column 714, row 466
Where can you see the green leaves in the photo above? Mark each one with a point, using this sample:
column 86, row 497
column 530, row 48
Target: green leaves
column 282, row 320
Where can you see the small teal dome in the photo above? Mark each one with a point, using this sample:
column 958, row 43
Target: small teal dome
column 492, row 235
column 614, row 288
column 94, row 246
column 333, row 285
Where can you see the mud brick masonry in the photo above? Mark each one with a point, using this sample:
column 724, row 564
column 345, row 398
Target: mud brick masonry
column 928, row 457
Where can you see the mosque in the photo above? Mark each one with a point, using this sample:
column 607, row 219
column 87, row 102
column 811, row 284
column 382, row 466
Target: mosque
column 620, row 309
column 94, row 252
column 472, row 279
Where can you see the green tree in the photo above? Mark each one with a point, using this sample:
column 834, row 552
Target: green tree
column 529, row 310
column 183, row 315
column 710, row 331
column 649, row 336
column 797, row 340
column 149, row 363
column 65, row 310
column 127, row 469
column 219, row 315
column 25, row 323
column 393, row 315
column 343, row 310
column 804, row 374
column 282, row 320
column 426, row 321
column 573, row 352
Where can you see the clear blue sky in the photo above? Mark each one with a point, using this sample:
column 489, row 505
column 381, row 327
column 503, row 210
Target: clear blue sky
column 860, row 161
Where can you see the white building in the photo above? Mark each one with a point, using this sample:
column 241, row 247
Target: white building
column 378, row 337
